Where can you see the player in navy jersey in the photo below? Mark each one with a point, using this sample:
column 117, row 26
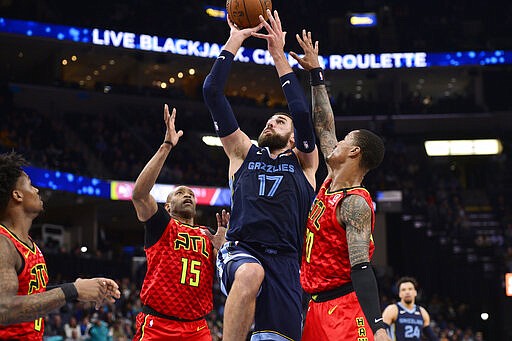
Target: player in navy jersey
column 406, row 319
column 272, row 191
column 177, row 289
column 336, row 268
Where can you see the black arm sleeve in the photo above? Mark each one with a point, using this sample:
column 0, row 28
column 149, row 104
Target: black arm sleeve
column 365, row 286
column 299, row 110
column 155, row 226
column 429, row 333
column 224, row 120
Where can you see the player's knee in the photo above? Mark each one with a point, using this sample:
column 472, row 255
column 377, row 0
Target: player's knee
column 250, row 276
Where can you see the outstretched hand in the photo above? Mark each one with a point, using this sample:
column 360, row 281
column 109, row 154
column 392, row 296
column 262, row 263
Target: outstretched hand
column 275, row 37
column 170, row 133
column 241, row 34
column 219, row 238
column 97, row 290
column 310, row 59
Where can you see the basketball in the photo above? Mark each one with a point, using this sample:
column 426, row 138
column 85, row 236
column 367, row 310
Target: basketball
column 245, row 13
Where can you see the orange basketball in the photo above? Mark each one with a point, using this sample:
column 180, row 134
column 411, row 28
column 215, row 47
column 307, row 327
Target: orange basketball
column 245, row 13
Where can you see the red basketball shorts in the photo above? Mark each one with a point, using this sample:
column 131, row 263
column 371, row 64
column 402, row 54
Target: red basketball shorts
column 150, row 327
column 338, row 319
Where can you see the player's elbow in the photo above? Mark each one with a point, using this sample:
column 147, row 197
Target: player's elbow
column 210, row 89
column 138, row 195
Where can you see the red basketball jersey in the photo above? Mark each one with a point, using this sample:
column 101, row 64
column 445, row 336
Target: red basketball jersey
column 32, row 279
column 179, row 277
column 325, row 262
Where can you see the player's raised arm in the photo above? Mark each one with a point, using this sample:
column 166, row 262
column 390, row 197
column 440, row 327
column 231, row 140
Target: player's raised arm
column 235, row 142
column 323, row 116
column 305, row 144
column 144, row 203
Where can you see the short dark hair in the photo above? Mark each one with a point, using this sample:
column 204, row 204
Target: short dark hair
column 282, row 113
column 407, row 279
column 372, row 148
column 10, row 170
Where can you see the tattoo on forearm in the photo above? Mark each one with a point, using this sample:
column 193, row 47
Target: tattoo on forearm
column 323, row 119
column 356, row 215
column 28, row 308
column 14, row 308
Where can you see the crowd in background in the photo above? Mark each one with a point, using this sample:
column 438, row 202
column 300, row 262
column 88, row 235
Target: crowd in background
column 116, row 322
column 446, row 194
column 447, row 191
column 461, row 204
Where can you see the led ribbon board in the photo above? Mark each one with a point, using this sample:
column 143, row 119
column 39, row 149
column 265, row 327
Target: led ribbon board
column 62, row 181
column 118, row 190
column 146, row 42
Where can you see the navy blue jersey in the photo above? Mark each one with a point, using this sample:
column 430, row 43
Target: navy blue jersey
column 270, row 201
column 408, row 324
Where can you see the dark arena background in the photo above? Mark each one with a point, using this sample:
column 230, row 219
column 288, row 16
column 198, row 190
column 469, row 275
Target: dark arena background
column 82, row 87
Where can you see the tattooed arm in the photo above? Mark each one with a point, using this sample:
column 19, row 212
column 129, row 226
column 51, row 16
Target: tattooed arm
column 24, row 308
column 16, row 309
column 355, row 214
column 323, row 117
column 323, row 120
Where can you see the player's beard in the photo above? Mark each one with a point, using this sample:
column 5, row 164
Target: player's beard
column 273, row 141
column 408, row 300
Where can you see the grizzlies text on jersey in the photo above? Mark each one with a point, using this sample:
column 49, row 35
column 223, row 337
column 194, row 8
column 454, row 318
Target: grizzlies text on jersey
column 271, row 200
column 408, row 324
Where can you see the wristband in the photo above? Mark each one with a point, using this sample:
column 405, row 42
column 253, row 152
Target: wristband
column 70, row 292
column 299, row 111
column 169, row 142
column 316, row 76
column 379, row 325
column 431, row 336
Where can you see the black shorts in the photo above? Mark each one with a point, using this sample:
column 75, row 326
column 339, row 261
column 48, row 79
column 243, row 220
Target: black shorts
column 279, row 303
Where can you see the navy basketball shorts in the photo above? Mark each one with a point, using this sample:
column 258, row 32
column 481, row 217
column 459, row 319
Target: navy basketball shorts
column 278, row 313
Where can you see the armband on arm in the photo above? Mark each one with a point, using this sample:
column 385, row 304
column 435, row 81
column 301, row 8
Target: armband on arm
column 388, row 330
column 299, row 110
column 365, row 286
column 70, row 292
column 316, row 76
column 213, row 91
column 430, row 334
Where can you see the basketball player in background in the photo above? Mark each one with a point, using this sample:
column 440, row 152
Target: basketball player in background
column 24, row 299
column 338, row 244
column 273, row 187
column 406, row 319
column 177, row 292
